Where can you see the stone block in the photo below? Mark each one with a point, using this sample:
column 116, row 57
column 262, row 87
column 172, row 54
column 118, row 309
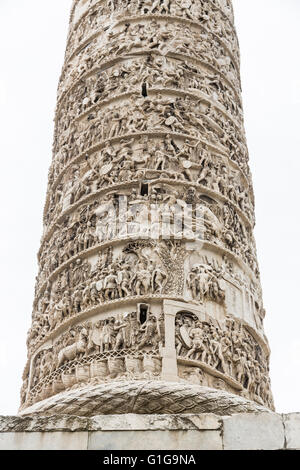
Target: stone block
column 44, row 441
column 257, row 431
column 36, row 423
column 155, row 440
column 136, row 422
column 292, row 430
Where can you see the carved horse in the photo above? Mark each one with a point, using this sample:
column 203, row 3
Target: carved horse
column 77, row 349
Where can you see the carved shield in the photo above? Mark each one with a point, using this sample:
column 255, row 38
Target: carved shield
column 106, row 169
column 170, row 121
column 185, row 338
column 187, row 164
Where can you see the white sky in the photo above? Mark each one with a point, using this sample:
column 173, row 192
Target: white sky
column 32, row 41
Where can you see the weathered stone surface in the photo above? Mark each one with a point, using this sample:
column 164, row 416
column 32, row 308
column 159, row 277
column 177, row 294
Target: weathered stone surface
column 156, row 440
column 155, row 422
column 133, row 422
column 143, row 398
column 258, row 431
column 292, row 430
column 37, row 423
column 44, row 441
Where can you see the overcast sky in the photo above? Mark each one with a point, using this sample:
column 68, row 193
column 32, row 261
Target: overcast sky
column 32, row 41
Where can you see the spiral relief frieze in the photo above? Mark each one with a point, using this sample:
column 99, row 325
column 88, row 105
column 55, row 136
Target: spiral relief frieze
column 148, row 278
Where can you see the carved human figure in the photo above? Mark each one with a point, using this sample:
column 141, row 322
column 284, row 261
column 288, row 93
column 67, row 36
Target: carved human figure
column 110, row 285
column 124, row 281
column 159, row 279
column 149, row 330
column 142, row 279
column 196, row 335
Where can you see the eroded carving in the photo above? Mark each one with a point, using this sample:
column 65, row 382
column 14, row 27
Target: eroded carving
column 225, row 347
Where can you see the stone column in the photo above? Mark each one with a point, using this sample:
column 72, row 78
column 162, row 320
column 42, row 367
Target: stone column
column 149, row 111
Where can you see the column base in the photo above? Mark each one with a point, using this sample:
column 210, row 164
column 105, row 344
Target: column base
column 142, row 397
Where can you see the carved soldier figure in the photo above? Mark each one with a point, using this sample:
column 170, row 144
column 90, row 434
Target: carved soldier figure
column 124, row 281
column 149, row 330
column 133, row 330
column 196, row 335
column 142, row 280
column 203, row 279
column 110, row 285
column 192, row 282
column 120, row 337
column 96, row 337
column 159, row 279
column 109, row 334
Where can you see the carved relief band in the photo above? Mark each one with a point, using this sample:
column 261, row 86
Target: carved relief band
column 148, row 289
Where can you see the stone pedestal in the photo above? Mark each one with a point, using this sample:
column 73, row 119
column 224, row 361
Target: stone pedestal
column 251, row 431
